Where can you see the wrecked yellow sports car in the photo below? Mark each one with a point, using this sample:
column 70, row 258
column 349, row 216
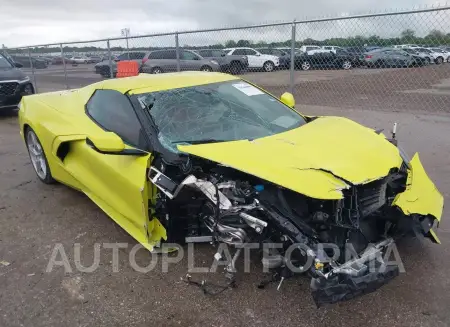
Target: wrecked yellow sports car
column 208, row 157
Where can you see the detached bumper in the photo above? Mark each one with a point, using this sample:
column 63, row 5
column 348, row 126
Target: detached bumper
column 343, row 287
column 355, row 277
column 421, row 197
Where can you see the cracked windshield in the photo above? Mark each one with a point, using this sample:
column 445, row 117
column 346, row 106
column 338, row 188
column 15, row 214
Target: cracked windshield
column 218, row 112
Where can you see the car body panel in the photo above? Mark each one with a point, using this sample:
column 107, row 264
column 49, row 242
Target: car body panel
column 117, row 184
column 308, row 161
column 421, row 195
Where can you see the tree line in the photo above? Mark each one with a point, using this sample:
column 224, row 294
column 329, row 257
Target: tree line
column 408, row 36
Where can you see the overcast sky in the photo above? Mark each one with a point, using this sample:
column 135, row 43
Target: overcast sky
column 28, row 22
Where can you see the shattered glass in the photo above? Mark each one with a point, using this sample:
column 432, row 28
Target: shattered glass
column 217, row 112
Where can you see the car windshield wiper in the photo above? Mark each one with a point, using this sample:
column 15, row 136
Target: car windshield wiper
column 201, row 141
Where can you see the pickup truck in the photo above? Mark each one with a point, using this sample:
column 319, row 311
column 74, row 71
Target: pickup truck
column 233, row 64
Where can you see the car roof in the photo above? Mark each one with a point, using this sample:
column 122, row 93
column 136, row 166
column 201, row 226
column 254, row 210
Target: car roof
column 158, row 82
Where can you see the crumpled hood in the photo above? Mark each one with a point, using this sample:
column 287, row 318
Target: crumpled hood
column 318, row 159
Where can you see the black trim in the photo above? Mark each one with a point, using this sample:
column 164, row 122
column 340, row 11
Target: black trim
column 86, row 111
column 124, row 152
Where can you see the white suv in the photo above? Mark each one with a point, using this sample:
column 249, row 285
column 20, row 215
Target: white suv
column 256, row 59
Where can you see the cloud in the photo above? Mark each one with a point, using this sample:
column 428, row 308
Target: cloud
column 48, row 21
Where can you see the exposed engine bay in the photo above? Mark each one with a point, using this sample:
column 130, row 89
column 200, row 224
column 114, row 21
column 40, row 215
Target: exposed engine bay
column 206, row 202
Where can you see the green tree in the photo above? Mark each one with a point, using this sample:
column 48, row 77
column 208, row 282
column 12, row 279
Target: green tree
column 408, row 34
column 230, row 44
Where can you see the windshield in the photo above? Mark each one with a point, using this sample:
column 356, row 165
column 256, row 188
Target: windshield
column 4, row 63
column 218, row 112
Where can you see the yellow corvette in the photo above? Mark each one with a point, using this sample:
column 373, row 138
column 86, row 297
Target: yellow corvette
column 195, row 157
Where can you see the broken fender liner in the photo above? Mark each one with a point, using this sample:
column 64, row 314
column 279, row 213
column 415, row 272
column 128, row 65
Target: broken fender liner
column 343, row 287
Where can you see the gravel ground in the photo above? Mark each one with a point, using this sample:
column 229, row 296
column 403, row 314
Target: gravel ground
column 35, row 217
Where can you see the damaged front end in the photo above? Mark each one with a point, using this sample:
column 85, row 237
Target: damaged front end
column 204, row 201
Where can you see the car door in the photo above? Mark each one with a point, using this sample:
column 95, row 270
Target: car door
column 189, row 61
column 243, row 52
column 116, row 183
column 254, row 58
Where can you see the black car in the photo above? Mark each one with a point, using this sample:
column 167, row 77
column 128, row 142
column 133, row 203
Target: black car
column 13, row 83
column 283, row 56
column 325, row 60
column 25, row 61
column 233, row 64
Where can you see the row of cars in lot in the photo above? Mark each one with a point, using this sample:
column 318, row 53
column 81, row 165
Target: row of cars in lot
column 237, row 60
column 41, row 62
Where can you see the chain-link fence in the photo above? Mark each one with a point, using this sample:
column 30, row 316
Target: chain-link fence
column 388, row 61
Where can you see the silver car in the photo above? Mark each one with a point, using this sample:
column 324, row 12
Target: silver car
column 161, row 61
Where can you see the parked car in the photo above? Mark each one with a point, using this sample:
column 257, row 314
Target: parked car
column 425, row 56
column 256, row 60
column 327, row 48
column 283, row 56
column 233, row 64
column 161, row 61
column 403, row 46
column 195, row 157
column 95, row 59
column 445, row 53
column 14, row 84
column 79, row 60
column 324, row 60
column 437, row 57
column 102, row 67
column 390, row 57
column 357, row 53
column 25, row 61
column 308, row 48
column 57, row 60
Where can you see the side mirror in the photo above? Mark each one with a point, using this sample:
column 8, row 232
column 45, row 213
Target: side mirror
column 111, row 143
column 223, row 54
column 18, row 65
column 288, row 99
column 258, row 54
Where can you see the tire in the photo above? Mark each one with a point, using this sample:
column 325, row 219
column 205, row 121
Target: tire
column 305, row 65
column 439, row 60
column 427, row 61
column 347, row 64
column 448, row 59
column 269, row 66
column 206, row 69
column 37, row 157
column 235, row 68
column 156, row 70
column 379, row 64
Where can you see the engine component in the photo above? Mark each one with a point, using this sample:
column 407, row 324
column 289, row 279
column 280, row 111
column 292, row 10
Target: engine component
column 257, row 224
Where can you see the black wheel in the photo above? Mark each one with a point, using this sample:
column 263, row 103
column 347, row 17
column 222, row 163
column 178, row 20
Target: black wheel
column 235, row 68
column 379, row 64
column 206, row 69
column 157, row 70
column 439, row 60
column 268, row 66
column 37, row 157
column 305, row 65
column 427, row 61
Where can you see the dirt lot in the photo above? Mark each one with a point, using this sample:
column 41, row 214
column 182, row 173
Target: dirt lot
column 34, row 217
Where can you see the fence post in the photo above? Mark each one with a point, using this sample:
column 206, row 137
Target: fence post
column 64, row 64
column 177, row 47
column 292, row 67
column 32, row 71
column 111, row 72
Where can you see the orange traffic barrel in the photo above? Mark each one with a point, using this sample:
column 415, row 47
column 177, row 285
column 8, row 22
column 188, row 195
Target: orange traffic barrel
column 127, row 68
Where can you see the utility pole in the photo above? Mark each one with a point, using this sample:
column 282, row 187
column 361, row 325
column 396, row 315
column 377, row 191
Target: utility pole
column 126, row 32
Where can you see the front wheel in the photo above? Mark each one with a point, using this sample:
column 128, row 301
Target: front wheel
column 268, row 66
column 206, row 69
column 347, row 64
column 37, row 156
column 439, row 60
column 306, row 65
column 157, row 70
